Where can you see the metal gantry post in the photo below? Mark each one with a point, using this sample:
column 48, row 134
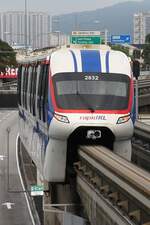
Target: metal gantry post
column 136, row 98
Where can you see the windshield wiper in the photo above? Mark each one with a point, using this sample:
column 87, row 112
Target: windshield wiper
column 85, row 102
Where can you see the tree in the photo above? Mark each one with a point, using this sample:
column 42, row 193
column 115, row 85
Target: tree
column 147, row 39
column 120, row 48
column 146, row 50
column 7, row 56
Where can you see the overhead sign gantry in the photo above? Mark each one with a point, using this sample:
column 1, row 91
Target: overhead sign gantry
column 86, row 38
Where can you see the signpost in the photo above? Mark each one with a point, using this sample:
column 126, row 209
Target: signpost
column 37, row 190
column 86, row 38
column 120, row 39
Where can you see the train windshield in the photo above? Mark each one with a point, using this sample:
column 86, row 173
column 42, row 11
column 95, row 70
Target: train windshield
column 91, row 91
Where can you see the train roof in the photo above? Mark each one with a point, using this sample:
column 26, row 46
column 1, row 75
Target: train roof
column 90, row 60
column 84, row 60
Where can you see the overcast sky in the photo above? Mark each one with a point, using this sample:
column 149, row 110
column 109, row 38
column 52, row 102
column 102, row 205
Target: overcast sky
column 57, row 6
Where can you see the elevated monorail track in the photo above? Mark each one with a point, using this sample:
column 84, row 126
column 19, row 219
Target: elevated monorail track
column 113, row 191
column 141, row 145
column 144, row 93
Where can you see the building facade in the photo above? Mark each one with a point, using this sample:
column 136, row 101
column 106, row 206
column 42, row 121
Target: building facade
column 19, row 29
column 141, row 23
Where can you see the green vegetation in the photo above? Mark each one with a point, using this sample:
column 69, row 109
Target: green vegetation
column 146, row 51
column 121, row 48
column 7, row 56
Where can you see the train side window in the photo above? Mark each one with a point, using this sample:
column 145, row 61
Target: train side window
column 24, row 85
column 42, row 94
column 22, row 81
column 25, row 88
column 34, row 88
column 31, row 89
column 39, row 94
column 19, row 84
column 28, row 87
column 44, row 86
column 36, row 94
column 45, row 94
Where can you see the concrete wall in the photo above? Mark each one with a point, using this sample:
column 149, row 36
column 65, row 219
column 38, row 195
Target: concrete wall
column 8, row 99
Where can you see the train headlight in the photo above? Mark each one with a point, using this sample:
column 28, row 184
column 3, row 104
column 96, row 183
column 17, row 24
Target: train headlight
column 61, row 118
column 123, row 119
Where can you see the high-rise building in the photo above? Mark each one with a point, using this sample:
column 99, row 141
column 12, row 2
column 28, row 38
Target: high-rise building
column 141, row 23
column 13, row 28
column 39, row 29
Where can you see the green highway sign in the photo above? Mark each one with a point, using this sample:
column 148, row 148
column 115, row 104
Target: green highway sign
column 86, row 40
column 37, row 190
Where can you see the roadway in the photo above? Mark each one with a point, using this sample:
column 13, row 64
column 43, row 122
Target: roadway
column 13, row 204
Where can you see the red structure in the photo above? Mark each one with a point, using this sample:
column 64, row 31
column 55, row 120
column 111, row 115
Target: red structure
column 9, row 73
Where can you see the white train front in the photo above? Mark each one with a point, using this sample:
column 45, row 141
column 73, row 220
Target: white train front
column 71, row 97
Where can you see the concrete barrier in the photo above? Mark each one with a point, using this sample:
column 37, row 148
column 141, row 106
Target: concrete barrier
column 8, row 99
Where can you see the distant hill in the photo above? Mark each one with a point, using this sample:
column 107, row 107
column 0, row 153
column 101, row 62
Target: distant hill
column 118, row 19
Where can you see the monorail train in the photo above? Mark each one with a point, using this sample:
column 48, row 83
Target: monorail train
column 70, row 97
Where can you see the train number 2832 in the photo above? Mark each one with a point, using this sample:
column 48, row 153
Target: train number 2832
column 91, row 77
